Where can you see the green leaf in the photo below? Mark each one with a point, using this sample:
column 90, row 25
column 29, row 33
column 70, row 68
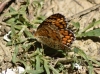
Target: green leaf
column 90, row 68
column 76, row 24
column 37, row 62
column 14, row 58
column 95, row 32
column 95, row 61
column 81, row 53
column 39, row 71
column 46, row 67
column 13, row 33
column 10, row 13
column 12, row 9
column 11, row 21
column 28, row 34
column 23, row 8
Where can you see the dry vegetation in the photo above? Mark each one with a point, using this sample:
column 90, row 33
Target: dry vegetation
column 22, row 16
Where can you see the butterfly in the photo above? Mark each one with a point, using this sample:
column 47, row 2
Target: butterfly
column 53, row 32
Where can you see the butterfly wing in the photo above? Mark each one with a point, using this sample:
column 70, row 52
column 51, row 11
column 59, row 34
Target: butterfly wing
column 56, row 19
column 53, row 33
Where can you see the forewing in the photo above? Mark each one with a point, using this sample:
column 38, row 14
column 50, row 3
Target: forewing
column 56, row 19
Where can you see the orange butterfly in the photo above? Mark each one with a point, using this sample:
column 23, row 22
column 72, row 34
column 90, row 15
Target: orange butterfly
column 53, row 32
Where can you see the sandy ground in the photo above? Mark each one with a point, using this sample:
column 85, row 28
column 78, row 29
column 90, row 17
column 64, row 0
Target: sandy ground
column 67, row 8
